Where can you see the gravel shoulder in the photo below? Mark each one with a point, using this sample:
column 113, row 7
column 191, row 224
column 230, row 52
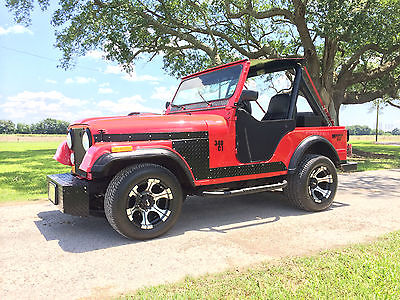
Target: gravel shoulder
column 45, row 254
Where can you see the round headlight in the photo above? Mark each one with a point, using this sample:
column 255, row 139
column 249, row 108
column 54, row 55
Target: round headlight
column 69, row 140
column 72, row 158
column 85, row 141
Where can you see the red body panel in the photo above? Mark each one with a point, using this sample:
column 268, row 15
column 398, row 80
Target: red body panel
column 63, row 154
column 147, row 124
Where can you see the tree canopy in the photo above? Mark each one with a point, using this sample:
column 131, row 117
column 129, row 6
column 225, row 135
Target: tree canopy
column 352, row 46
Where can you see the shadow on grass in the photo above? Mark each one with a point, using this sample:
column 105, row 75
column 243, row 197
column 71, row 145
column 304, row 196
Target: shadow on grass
column 25, row 171
column 393, row 151
column 206, row 215
column 16, row 157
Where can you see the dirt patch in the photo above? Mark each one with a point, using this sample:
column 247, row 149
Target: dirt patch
column 364, row 154
column 32, row 138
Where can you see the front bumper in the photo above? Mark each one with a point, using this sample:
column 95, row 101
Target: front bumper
column 349, row 166
column 74, row 196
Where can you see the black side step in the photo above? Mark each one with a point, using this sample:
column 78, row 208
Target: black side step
column 245, row 191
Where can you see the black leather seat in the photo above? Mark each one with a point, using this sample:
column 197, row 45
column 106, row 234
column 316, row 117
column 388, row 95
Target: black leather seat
column 278, row 108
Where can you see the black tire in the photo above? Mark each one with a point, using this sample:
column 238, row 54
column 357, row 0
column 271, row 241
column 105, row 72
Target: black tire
column 313, row 185
column 143, row 201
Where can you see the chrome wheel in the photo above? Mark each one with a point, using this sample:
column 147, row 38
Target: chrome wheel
column 149, row 203
column 143, row 201
column 313, row 185
column 320, row 184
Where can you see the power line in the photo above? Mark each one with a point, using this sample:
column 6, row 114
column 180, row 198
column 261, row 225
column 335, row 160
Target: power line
column 44, row 57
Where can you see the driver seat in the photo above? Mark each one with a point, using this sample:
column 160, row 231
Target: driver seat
column 278, row 108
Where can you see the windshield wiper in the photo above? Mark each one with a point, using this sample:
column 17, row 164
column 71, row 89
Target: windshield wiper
column 198, row 92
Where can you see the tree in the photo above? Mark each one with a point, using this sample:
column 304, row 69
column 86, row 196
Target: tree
column 393, row 102
column 352, row 47
column 50, row 126
column 359, row 130
column 7, row 127
column 23, row 128
column 396, row 131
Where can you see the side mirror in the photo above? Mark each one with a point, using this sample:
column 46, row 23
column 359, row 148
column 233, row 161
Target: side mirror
column 167, row 104
column 248, row 95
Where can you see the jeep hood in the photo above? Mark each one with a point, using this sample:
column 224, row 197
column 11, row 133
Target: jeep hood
column 147, row 123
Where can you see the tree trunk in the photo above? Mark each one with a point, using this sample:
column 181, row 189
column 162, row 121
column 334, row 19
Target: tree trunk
column 328, row 100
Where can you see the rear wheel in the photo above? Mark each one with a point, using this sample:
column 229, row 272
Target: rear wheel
column 143, row 201
column 313, row 185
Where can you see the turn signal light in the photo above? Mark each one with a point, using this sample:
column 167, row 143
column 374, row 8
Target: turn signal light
column 121, row 149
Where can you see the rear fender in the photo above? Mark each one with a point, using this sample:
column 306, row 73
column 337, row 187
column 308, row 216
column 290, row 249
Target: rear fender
column 314, row 144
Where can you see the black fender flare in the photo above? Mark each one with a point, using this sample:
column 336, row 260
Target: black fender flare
column 308, row 143
column 107, row 164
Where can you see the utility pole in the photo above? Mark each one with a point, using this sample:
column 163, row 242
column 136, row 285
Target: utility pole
column 377, row 119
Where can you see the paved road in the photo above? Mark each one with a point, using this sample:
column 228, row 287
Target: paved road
column 45, row 254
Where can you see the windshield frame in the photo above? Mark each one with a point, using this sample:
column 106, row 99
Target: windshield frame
column 208, row 104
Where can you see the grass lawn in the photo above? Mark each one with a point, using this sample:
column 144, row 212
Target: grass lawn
column 23, row 169
column 377, row 156
column 369, row 271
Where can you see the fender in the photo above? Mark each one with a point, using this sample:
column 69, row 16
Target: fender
column 107, row 164
column 306, row 145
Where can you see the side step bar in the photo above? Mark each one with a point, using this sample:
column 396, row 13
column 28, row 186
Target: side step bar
column 245, row 191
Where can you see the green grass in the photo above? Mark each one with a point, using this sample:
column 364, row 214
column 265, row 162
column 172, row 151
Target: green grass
column 369, row 271
column 376, row 163
column 23, row 169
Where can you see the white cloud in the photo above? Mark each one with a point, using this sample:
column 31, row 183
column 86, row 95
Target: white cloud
column 113, row 70
column 104, row 84
column 51, row 81
column 126, row 105
column 34, row 106
column 16, row 29
column 95, row 54
column 29, row 107
column 80, row 80
column 132, row 76
column 163, row 93
column 104, row 90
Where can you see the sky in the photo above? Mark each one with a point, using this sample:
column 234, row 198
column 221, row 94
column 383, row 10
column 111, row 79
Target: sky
column 33, row 88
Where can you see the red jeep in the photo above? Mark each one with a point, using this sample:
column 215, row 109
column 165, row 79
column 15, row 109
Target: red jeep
column 240, row 128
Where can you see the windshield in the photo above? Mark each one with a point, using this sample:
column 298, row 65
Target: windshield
column 208, row 89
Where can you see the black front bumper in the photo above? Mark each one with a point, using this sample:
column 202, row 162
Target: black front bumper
column 74, row 196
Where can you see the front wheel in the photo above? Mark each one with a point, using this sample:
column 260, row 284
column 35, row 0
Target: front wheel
column 143, row 201
column 313, row 185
